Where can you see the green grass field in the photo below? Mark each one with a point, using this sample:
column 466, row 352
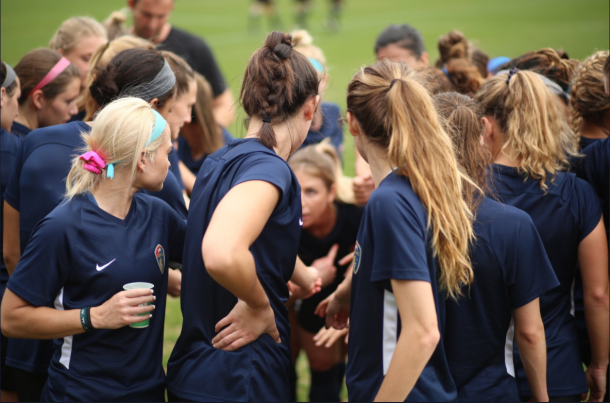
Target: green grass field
column 500, row 28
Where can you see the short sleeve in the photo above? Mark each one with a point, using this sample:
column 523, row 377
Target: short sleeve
column 43, row 269
column 12, row 194
column 177, row 233
column 589, row 207
column 267, row 168
column 175, row 167
column 399, row 240
column 529, row 273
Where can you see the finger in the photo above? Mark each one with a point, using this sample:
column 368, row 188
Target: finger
column 140, row 300
column 130, row 319
column 225, row 332
column 323, row 339
column 237, row 344
column 227, row 320
column 321, row 308
column 332, row 253
column 227, row 340
column 137, row 292
column 346, row 337
column 346, row 259
column 275, row 335
column 137, row 310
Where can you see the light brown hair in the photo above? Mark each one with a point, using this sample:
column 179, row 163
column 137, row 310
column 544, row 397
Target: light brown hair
column 73, row 30
column 456, row 56
column 210, row 133
column 396, row 113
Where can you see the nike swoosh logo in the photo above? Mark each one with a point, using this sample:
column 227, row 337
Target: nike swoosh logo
column 98, row 268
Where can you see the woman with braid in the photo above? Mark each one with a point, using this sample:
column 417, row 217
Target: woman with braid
column 242, row 240
column 531, row 143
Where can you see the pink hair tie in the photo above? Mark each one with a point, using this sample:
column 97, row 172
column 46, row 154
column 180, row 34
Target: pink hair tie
column 93, row 162
column 59, row 67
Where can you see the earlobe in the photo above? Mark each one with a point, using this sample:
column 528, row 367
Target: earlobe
column 37, row 99
column 424, row 58
column 352, row 125
column 153, row 103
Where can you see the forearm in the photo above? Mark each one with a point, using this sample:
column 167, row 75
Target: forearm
column 301, row 275
column 532, row 350
column 45, row 323
column 238, row 275
column 344, row 290
column 413, row 351
column 597, row 317
column 11, row 244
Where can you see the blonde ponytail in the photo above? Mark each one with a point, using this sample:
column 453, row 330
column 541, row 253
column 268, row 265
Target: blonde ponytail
column 121, row 131
column 396, row 112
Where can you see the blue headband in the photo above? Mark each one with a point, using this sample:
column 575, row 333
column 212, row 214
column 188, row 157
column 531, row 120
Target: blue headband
column 160, row 124
column 316, row 64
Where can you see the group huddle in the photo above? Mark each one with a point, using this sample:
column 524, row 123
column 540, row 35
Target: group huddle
column 466, row 261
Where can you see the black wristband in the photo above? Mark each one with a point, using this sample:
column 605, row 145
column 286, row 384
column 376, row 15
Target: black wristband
column 85, row 319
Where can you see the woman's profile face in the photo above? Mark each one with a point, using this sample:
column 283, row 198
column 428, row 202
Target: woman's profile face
column 316, row 197
column 10, row 107
column 60, row 109
column 182, row 111
column 81, row 55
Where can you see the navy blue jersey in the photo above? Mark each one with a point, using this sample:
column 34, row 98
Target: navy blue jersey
column 184, row 152
column 36, row 186
column 260, row 370
column 80, row 256
column 585, row 142
column 332, row 127
column 393, row 244
column 175, row 167
column 511, row 269
column 9, row 149
column 595, row 169
column 20, row 130
column 171, row 193
column 563, row 217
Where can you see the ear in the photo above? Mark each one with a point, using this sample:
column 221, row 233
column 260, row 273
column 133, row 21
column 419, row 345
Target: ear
column 60, row 51
column 424, row 59
column 153, row 103
column 488, row 127
column 332, row 193
column 310, row 107
column 38, row 99
column 352, row 124
column 2, row 94
column 142, row 162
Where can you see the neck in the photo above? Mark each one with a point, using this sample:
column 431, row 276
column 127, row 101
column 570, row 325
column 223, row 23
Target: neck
column 284, row 144
column 503, row 156
column 326, row 223
column 378, row 161
column 592, row 131
column 27, row 117
column 114, row 196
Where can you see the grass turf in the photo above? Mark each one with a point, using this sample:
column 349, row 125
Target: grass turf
column 499, row 28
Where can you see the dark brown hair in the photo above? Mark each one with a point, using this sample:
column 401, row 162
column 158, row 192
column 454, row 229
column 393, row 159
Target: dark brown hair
column 126, row 70
column 35, row 65
column 11, row 88
column 548, row 62
column 461, row 117
column 607, row 66
column 404, row 36
column 435, row 80
column 277, row 83
column 210, row 134
column 456, row 57
column 183, row 71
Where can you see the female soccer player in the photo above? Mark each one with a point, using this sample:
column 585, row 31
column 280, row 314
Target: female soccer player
column 530, row 143
column 511, row 271
column 9, row 148
column 330, row 226
column 243, row 235
column 81, row 256
column 38, row 183
column 49, row 87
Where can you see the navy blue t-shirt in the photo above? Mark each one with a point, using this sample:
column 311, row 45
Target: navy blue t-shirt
column 393, row 244
column 563, row 217
column 259, row 371
column 595, row 169
column 80, row 256
column 184, row 152
column 585, row 142
column 332, row 127
column 20, row 130
column 9, row 149
column 36, row 186
column 175, row 167
column 511, row 269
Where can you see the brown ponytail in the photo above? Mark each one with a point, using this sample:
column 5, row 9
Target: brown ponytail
column 276, row 84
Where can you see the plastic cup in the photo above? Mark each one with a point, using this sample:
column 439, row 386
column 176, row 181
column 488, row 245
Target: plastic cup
column 133, row 286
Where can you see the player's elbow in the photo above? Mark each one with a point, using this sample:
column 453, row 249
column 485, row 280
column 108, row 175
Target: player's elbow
column 597, row 298
column 8, row 321
column 531, row 335
column 217, row 258
column 425, row 335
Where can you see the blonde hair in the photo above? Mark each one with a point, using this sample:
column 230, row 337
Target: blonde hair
column 115, row 24
column 533, row 124
column 303, row 43
column 100, row 59
column 588, row 99
column 73, row 30
column 120, row 133
column 395, row 112
column 321, row 160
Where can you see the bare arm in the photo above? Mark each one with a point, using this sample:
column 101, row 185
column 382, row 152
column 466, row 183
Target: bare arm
column 531, row 340
column 234, row 227
column 335, row 308
column 418, row 339
column 11, row 245
column 593, row 260
column 306, row 278
column 224, row 108
column 20, row 319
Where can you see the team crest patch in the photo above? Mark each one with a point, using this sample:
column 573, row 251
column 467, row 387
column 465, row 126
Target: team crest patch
column 160, row 256
column 357, row 253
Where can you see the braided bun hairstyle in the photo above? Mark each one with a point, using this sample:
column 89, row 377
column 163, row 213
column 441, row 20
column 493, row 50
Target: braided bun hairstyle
column 276, row 84
column 456, row 56
column 588, row 99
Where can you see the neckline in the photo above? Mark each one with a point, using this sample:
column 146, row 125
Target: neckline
column 109, row 217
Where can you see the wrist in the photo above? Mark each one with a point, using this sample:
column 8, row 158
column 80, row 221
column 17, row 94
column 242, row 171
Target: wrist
column 342, row 293
column 599, row 365
column 258, row 303
column 96, row 318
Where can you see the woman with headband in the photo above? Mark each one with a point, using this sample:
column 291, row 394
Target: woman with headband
column 37, row 184
column 531, row 143
column 85, row 256
column 9, row 149
column 50, row 85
